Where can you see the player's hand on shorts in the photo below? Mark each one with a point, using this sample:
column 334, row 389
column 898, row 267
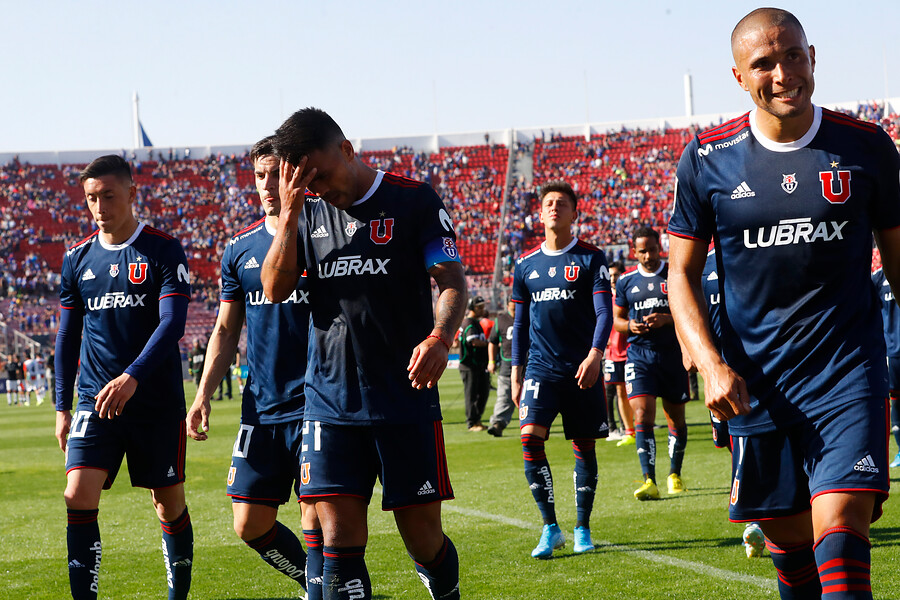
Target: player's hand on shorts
column 427, row 363
column 589, row 370
column 292, row 184
column 112, row 398
column 63, row 425
column 197, row 420
column 726, row 392
column 515, row 380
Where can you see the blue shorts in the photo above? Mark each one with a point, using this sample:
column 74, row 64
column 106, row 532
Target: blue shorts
column 614, row 371
column 344, row 460
column 777, row 474
column 155, row 450
column 893, row 364
column 651, row 373
column 583, row 411
column 265, row 463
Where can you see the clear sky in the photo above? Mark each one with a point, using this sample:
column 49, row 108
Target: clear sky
column 211, row 73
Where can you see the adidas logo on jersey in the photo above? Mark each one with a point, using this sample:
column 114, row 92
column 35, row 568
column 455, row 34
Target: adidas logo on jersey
column 251, row 264
column 534, row 275
column 426, row 489
column 171, row 472
column 320, row 232
column 867, row 465
column 742, row 191
column 635, row 290
column 88, row 275
column 713, row 276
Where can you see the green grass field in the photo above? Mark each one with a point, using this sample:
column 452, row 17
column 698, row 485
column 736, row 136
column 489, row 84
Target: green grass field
column 682, row 547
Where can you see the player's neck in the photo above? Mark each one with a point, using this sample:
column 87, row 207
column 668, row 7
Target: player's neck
column 120, row 235
column 365, row 177
column 557, row 240
column 785, row 129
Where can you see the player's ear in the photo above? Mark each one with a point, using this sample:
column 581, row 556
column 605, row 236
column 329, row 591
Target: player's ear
column 812, row 57
column 347, row 150
column 740, row 78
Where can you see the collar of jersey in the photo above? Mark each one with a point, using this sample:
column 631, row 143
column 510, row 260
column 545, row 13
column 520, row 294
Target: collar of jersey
column 379, row 175
column 803, row 142
column 647, row 273
column 549, row 252
column 124, row 244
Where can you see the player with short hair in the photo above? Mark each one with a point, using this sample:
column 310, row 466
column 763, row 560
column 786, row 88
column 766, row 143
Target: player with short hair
column 473, row 363
column 12, row 368
column 35, row 379
column 654, row 368
column 265, row 463
column 563, row 298
column 123, row 297
column 792, row 193
column 500, row 362
column 365, row 240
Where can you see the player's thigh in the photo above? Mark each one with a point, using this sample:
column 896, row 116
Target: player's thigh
column 421, row 530
column 265, row 462
column 253, row 520
column 156, row 453
column 96, row 443
column 768, row 476
column 413, row 469
column 540, row 402
column 847, row 452
column 83, row 487
column 673, row 379
column 583, row 411
column 343, row 520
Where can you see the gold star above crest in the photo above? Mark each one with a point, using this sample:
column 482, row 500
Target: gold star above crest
column 834, row 164
column 381, row 214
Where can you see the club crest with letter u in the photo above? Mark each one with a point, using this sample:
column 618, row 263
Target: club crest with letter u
column 137, row 272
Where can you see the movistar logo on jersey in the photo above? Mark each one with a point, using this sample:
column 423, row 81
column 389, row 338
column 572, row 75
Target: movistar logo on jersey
column 651, row 303
column 705, row 150
column 258, row 298
column 552, row 294
column 794, row 231
column 353, row 265
column 115, row 300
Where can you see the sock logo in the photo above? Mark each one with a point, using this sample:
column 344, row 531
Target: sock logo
column 98, row 552
column 283, row 564
column 548, row 483
column 355, row 589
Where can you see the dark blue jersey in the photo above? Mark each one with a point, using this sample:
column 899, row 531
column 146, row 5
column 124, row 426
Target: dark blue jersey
column 118, row 289
column 277, row 334
column 793, row 231
column 371, row 302
column 555, row 290
column 644, row 293
column 890, row 313
column 711, row 295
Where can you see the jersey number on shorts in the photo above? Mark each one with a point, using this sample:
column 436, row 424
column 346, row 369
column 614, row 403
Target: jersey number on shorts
column 317, row 436
column 80, row 423
column 629, row 371
column 532, row 386
column 242, row 443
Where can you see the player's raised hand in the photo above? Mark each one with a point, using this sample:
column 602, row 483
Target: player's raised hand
column 63, row 425
column 112, row 398
column 726, row 392
column 589, row 370
column 292, row 184
column 197, row 420
column 427, row 363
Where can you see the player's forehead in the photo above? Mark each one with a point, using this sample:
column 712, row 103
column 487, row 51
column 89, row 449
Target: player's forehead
column 763, row 38
column 554, row 198
column 646, row 242
column 97, row 185
column 268, row 163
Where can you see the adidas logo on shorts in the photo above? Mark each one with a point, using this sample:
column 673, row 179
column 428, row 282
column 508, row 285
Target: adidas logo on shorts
column 171, row 472
column 866, row 465
column 426, row 489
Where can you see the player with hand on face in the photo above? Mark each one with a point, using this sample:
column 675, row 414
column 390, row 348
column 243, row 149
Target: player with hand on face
column 123, row 298
column 562, row 323
column 265, row 463
column 654, row 366
column 792, row 194
column 366, row 239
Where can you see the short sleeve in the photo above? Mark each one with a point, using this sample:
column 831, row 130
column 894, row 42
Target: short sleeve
column 69, row 295
column 601, row 274
column 231, row 283
column 437, row 236
column 176, row 277
column 692, row 215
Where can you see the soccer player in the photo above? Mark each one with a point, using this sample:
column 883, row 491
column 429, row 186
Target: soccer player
column 563, row 299
column 791, row 193
column 195, row 361
column 614, row 371
column 35, row 379
column 473, row 363
column 124, row 296
column 12, row 379
column 890, row 315
column 265, row 462
column 367, row 239
column 654, row 368
column 500, row 362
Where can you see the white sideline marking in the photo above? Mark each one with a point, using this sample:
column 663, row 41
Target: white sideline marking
column 701, row 568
